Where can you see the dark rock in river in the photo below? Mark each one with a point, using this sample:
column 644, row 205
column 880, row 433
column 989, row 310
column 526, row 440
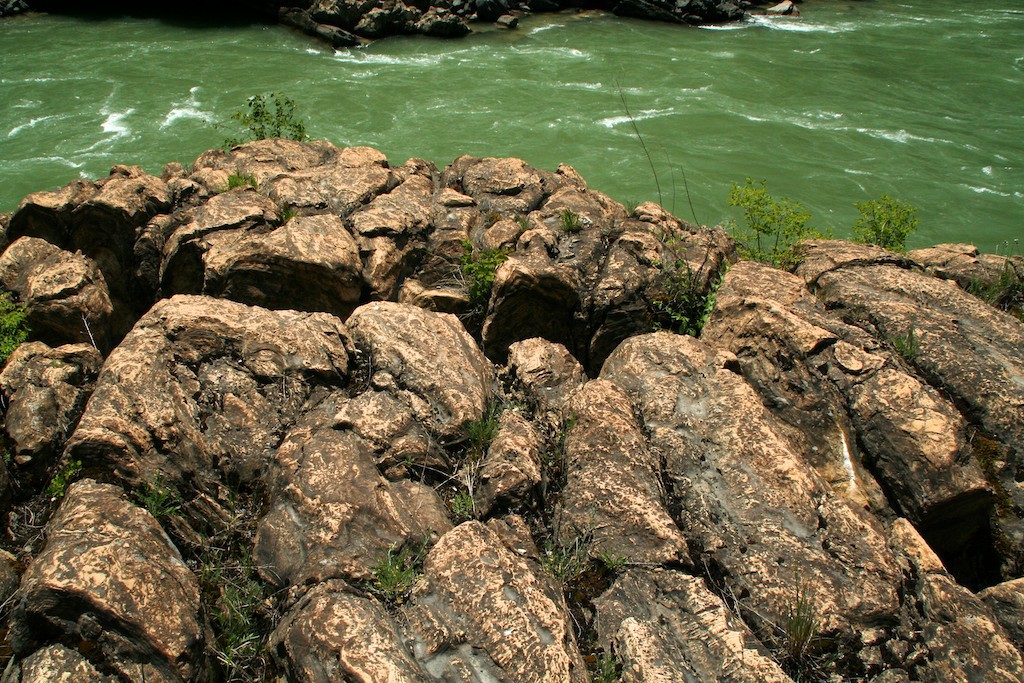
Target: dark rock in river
column 395, row 422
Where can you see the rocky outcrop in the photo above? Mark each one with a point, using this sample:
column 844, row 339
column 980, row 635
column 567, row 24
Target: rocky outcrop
column 388, row 422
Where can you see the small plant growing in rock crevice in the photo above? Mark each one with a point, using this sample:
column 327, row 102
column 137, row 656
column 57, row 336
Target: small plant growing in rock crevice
column 685, row 297
column 906, row 344
column 13, row 328
column 236, row 180
column 395, row 574
column 479, row 266
column 161, row 499
column 607, row 669
column 571, row 222
column 63, row 478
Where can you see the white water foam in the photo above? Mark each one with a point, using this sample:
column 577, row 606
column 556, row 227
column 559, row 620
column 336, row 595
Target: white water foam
column 115, row 123
column 800, row 25
column 901, row 136
column 980, row 189
column 987, row 170
column 189, row 109
column 30, row 124
column 613, row 121
column 357, row 56
column 540, row 29
column 580, row 86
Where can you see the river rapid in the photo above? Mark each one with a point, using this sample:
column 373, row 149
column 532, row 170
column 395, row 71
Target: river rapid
column 922, row 99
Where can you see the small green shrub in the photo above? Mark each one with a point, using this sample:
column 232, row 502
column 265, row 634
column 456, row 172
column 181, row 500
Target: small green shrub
column 161, row 500
column 13, row 328
column 463, row 506
column 236, row 180
column 630, row 206
column 480, row 433
column 906, row 344
column 571, row 221
column 238, row 614
column 479, row 266
column 1006, row 293
column 396, row 573
column 266, row 117
column 65, row 474
column 288, row 213
column 774, row 227
column 606, row 669
column 612, row 563
column 566, row 563
column 885, row 222
column 682, row 296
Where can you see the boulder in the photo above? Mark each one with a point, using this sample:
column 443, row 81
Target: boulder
column 613, row 495
column 546, row 372
column 1006, row 600
column 932, row 322
column 507, row 21
column 784, row 8
column 54, row 664
column 202, row 390
column 480, row 607
column 334, row 634
column 759, row 518
column 511, row 471
column 65, row 295
column 667, row 626
column 48, row 215
column 332, row 514
column 842, row 397
column 109, row 580
column 442, row 23
column 45, row 390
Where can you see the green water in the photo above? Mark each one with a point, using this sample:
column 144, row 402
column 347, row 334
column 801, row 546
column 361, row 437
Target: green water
column 922, row 99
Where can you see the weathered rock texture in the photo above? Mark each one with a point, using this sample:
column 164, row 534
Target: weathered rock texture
column 332, row 448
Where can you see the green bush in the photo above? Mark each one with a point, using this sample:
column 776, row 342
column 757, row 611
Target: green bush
column 63, row 478
column 396, row 573
column 271, row 116
column 236, row 180
column 682, row 296
column 885, row 222
column 774, row 227
column 571, row 221
column 478, row 267
column 13, row 328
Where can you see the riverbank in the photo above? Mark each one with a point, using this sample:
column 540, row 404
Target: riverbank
column 348, row 23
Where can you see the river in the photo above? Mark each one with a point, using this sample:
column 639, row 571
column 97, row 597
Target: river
column 922, row 99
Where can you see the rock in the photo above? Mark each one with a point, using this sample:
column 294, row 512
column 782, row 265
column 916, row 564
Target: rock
column 963, row 639
column 333, row 35
column 311, row 263
column 840, row 392
column 546, row 371
column 332, row 515
column 1006, row 600
column 54, row 664
column 511, row 471
column 442, row 23
column 507, row 21
column 444, row 392
column 784, row 8
column 334, row 634
column 65, row 295
column 613, row 494
column 482, row 608
column 500, row 185
column 935, row 321
column 489, row 10
column 529, row 299
column 45, row 390
column 667, row 626
column 203, row 388
column 48, row 215
column 988, row 276
column 9, row 578
column 680, row 11
column 110, row 578
column 748, row 506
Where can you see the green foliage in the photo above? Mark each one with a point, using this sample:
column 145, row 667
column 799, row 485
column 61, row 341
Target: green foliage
column 802, row 650
column 606, row 669
column 478, row 266
column 630, row 206
column 571, row 221
column 65, row 474
column 774, row 227
column 463, row 506
column 885, row 222
column 231, row 585
column 288, row 213
column 161, row 500
column 566, row 562
column 236, row 180
column 396, row 573
column 480, row 433
column 13, row 328
column 612, row 563
column 271, row 116
column 683, row 297
column 906, row 344
column 1006, row 292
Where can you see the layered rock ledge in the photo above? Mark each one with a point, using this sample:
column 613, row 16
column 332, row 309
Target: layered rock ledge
column 358, row 421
